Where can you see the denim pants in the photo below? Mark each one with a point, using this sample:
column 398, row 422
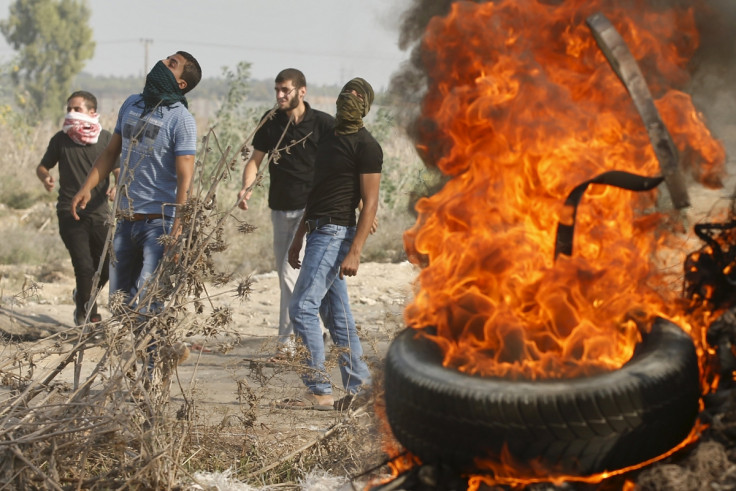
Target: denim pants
column 285, row 223
column 137, row 254
column 319, row 291
column 85, row 240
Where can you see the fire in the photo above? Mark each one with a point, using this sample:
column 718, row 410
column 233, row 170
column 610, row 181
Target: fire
column 506, row 472
column 521, row 107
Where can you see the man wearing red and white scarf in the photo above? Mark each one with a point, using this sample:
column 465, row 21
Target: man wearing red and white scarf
column 75, row 148
column 83, row 129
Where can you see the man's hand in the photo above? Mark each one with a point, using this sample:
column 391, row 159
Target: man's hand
column 173, row 238
column 80, row 200
column 294, row 251
column 367, row 222
column 48, row 183
column 349, row 266
column 250, row 174
column 111, row 193
column 243, row 198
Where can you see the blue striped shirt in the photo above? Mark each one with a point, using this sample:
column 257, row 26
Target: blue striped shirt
column 148, row 160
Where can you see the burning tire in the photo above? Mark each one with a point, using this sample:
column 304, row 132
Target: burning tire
column 571, row 427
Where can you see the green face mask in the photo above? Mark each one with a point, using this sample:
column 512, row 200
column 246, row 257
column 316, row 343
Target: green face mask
column 349, row 118
column 351, row 109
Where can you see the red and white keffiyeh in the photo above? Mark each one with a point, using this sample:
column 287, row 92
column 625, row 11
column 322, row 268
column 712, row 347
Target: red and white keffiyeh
column 83, row 129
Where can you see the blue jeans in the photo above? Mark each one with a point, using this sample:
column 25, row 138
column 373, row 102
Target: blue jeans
column 285, row 224
column 319, row 291
column 137, row 255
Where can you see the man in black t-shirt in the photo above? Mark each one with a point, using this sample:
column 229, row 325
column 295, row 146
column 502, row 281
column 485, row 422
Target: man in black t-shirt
column 290, row 138
column 348, row 171
column 75, row 148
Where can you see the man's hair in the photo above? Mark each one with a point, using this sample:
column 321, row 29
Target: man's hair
column 293, row 75
column 192, row 73
column 88, row 97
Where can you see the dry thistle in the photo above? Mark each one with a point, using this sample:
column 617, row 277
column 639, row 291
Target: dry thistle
column 244, row 288
column 245, row 152
column 220, row 318
column 29, row 288
column 246, row 228
column 248, row 403
column 167, row 240
column 221, row 279
column 117, row 300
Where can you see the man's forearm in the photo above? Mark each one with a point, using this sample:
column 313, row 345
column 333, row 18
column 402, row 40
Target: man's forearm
column 99, row 172
column 249, row 173
column 369, row 186
column 42, row 172
column 94, row 177
column 184, row 175
column 363, row 228
column 301, row 230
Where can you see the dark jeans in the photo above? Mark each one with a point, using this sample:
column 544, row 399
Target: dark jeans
column 85, row 239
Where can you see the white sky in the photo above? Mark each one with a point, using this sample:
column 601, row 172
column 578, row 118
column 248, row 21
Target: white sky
column 331, row 41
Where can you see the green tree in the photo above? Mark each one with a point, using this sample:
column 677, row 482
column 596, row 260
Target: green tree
column 53, row 40
column 233, row 117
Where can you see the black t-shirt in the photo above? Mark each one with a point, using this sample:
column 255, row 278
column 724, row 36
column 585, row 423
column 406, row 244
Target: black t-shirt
column 293, row 173
column 340, row 161
column 75, row 162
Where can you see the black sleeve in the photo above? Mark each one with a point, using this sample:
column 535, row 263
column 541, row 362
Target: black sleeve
column 105, row 137
column 51, row 157
column 326, row 126
column 262, row 138
column 370, row 157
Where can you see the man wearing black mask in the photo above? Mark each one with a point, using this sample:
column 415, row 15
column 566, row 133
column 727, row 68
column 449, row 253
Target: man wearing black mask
column 155, row 137
column 347, row 172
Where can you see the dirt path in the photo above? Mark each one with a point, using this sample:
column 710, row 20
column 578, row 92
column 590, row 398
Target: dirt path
column 378, row 293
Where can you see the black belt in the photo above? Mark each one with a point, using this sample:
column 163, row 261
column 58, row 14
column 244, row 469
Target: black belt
column 313, row 225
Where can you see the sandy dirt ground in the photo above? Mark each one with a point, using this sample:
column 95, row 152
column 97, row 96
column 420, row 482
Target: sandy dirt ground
column 227, row 375
column 379, row 293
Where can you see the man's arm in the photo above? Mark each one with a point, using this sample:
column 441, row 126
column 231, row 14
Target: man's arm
column 374, row 226
column 99, row 172
column 45, row 176
column 184, row 174
column 369, row 184
column 296, row 244
column 112, row 189
column 249, row 176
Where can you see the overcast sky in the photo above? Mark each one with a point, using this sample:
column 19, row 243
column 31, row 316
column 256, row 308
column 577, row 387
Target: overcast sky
column 331, row 41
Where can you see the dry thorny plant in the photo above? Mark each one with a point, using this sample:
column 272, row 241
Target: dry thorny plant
column 114, row 426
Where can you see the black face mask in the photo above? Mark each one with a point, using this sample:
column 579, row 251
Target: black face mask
column 161, row 88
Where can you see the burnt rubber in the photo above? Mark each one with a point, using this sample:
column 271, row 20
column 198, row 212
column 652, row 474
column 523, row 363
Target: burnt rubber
column 572, row 427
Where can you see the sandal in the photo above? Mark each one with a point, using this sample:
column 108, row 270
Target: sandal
column 308, row 401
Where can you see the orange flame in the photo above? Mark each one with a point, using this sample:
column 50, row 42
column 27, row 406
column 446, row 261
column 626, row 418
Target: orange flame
column 518, row 474
column 521, row 107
